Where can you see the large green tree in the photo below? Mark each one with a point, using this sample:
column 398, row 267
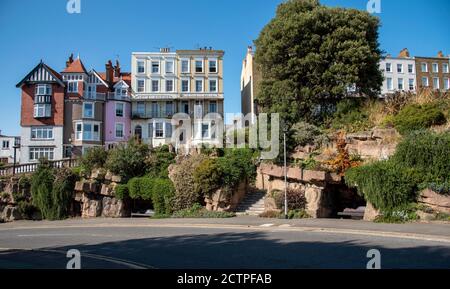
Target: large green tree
column 311, row 54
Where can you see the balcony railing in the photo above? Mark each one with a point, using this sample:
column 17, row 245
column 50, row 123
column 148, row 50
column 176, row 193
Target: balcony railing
column 123, row 97
column 152, row 114
column 95, row 96
column 18, row 169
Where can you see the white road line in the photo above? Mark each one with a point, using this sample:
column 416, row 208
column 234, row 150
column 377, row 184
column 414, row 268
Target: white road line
column 266, row 225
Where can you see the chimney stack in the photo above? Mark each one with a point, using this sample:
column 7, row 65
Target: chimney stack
column 404, row 53
column 109, row 72
column 70, row 60
column 440, row 54
column 117, row 69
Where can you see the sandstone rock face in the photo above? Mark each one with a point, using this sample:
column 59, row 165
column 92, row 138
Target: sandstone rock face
column 10, row 213
column 270, row 204
column 91, row 208
column 113, row 208
column 317, row 203
column 378, row 144
column 370, row 213
column 437, row 202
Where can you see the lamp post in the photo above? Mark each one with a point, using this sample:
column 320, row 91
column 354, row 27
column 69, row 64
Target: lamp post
column 285, row 174
column 15, row 147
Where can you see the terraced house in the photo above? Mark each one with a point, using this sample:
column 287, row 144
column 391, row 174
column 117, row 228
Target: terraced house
column 166, row 83
column 63, row 114
column 433, row 72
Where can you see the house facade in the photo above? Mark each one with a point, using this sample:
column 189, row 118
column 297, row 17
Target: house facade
column 7, row 144
column 250, row 77
column 167, row 83
column 433, row 72
column 399, row 73
column 42, row 114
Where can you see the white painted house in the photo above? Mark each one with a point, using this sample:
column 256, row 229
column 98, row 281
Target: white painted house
column 7, row 149
column 399, row 73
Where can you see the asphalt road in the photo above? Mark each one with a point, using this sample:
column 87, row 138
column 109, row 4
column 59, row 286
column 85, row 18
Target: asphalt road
column 239, row 243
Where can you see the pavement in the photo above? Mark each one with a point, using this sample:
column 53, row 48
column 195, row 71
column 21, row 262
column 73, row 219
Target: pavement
column 236, row 243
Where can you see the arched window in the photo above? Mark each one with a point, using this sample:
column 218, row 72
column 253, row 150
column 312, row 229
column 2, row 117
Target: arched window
column 138, row 131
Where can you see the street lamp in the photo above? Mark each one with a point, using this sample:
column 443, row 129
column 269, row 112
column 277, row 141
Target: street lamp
column 15, row 147
column 285, row 130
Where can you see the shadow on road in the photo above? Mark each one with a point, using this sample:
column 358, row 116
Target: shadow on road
column 242, row 251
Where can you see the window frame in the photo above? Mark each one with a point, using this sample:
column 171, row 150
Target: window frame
column 202, row 66
column 138, row 87
column 158, row 64
column 123, row 109
column 138, row 66
column 123, row 130
column 173, row 67
column 84, row 109
column 216, row 65
column 202, row 87
column 173, row 87
column 185, row 60
column 188, row 85
column 36, row 153
column 153, row 82
column 36, row 130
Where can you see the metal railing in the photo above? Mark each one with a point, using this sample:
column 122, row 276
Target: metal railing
column 11, row 170
column 95, row 96
column 152, row 114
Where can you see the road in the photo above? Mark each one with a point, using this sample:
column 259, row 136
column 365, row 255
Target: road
column 237, row 243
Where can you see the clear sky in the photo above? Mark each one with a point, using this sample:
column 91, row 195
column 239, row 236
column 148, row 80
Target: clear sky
column 42, row 29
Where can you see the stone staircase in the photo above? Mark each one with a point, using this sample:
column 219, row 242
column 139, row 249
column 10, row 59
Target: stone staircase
column 252, row 204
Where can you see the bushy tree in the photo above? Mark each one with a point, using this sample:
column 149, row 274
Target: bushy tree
column 310, row 54
column 158, row 162
column 94, row 157
column 128, row 160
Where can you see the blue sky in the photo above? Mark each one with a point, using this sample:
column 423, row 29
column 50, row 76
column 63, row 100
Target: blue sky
column 34, row 30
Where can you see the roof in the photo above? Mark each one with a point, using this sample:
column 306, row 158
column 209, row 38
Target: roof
column 42, row 73
column 125, row 76
column 75, row 67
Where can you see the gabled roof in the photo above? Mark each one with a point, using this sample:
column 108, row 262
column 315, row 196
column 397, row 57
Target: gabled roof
column 75, row 67
column 99, row 77
column 121, row 82
column 42, row 73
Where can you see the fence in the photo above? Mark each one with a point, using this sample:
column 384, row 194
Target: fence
column 18, row 169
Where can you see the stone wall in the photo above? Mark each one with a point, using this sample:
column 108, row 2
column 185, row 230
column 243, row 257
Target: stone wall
column 314, row 183
column 378, row 144
column 224, row 201
column 9, row 187
column 96, row 196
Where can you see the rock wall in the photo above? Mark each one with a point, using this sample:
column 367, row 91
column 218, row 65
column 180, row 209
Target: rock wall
column 314, row 183
column 438, row 202
column 96, row 196
column 378, row 144
column 223, row 201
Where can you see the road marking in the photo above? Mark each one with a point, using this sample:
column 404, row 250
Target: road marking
column 266, row 225
column 284, row 226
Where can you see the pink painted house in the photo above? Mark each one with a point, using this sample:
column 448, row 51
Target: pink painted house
column 118, row 107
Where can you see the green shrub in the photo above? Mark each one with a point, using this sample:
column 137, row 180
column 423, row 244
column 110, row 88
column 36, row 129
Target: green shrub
column 162, row 196
column 295, row 198
column 128, row 160
column 208, row 176
column 304, row 134
column 298, row 214
column 350, row 116
column 401, row 214
column 384, row 184
column 416, row 117
column 237, row 165
column 62, row 192
column 186, row 193
column 428, row 152
column 197, row 211
column 26, row 209
column 121, row 191
column 158, row 162
column 93, row 158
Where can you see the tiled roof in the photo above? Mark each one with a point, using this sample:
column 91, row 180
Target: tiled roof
column 75, row 67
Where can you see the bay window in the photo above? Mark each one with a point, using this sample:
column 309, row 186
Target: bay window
column 87, row 131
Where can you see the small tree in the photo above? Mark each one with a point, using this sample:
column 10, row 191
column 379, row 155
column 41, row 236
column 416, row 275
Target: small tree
column 94, row 157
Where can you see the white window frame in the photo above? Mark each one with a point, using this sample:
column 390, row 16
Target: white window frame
column 158, row 88
column 123, row 130
column 424, row 65
column 123, row 109
column 188, row 65
column 155, row 129
column 173, row 67
column 36, row 153
column 80, row 135
column 445, row 67
column 173, row 86
column 5, row 144
column 209, row 67
column 159, row 67
column 389, row 83
column 36, row 130
column 425, row 83
column 138, row 66
column 400, row 81
column 447, row 83
column 388, row 67
column 188, row 85
column 209, row 84
column 435, row 67
column 84, row 109
column 436, row 85
column 203, row 85
column 411, row 83
column 137, row 85
column 216, row 106
column 46, row 87
column 412, row 68
column 46, row 108
column 70, row 89
column 195, row 65
column 399, row 65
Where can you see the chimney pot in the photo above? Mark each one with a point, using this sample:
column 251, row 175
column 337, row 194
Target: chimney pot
column 404, row 53
column 441, row 54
